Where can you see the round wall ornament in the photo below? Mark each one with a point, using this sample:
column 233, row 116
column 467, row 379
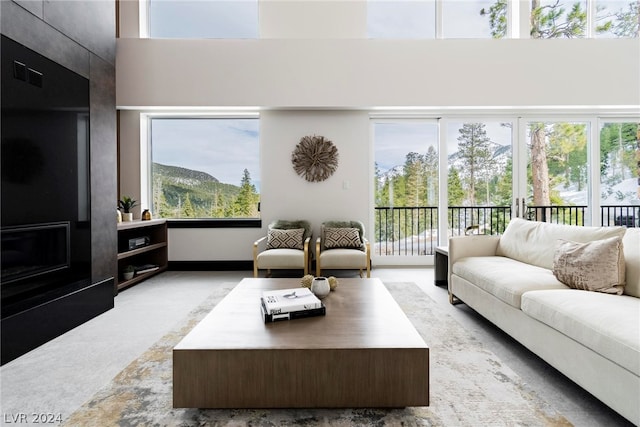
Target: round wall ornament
column 315, row 158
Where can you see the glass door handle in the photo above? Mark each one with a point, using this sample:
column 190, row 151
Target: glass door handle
column 517, row 207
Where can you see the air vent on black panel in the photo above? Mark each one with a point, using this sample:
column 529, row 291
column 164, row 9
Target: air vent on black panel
column 19, row 71
column 35, row 77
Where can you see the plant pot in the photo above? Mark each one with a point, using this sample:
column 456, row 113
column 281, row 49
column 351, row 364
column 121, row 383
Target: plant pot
column 127, row 216
column 128, row 275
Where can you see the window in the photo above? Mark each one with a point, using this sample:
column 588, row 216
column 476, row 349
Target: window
column 503, row 18
column 557, row 172
column 204, row 167
column 197, row 19
column 479, row 175
column 401, row 19
column 465, row 19
column 617, row 18
column 620, row 173
column 406, row 187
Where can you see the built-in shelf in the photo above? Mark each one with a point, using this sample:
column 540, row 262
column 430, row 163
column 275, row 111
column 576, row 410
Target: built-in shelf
column 149, row 247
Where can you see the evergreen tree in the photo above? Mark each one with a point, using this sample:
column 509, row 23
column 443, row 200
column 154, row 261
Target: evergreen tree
column 187, row 208
column 414, row 179
column 455, row 192
column 246, row 203
column 473, row 149
column 431, row 176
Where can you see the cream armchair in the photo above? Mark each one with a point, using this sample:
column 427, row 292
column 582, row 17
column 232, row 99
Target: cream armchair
column 342, row 246
column 286, row 246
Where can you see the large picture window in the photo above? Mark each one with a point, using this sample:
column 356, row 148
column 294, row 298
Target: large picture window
column 204, row 167
column 197, row 19
column 546, row 19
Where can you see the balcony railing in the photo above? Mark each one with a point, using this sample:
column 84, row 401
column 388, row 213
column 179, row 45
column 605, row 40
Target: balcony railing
column 411, row 231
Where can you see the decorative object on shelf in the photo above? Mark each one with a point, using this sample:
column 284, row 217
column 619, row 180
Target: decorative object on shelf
column 146, row 215
column 128, row 272
column 306, row 281
column 126, row 204
column 315, row 158
column 333, row 283
column 320, row 287
column 119, row 215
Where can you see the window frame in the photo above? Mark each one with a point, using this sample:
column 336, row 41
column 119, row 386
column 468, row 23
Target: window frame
column 146, row 159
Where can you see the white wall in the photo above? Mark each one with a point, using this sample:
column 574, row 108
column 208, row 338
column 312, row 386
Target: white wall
column 360, row 73
column 314, row 72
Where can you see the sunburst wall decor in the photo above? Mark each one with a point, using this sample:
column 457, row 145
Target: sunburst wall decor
column 315, row 158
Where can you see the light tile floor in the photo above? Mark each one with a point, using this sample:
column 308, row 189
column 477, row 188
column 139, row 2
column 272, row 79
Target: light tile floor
column 61, row 375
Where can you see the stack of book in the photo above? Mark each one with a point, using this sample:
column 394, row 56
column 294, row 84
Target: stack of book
column 287, row 304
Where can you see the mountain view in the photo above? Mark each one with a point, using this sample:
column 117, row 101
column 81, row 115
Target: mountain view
column 184, row 193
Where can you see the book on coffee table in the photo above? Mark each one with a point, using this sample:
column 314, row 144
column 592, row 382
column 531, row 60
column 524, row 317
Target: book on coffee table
column 299, row 314
column 288, row 300
column 287, row 304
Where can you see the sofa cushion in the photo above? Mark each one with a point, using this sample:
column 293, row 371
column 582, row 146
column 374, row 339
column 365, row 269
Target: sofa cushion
column 631, row 247
column 592, row 266
column 505, row 278
column 607, row 324
column 285, row 239
column 533, row 242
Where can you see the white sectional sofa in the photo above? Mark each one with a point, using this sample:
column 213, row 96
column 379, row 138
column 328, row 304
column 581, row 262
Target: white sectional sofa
column 591, row 337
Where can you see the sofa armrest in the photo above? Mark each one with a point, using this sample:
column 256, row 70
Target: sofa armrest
column 467, row 246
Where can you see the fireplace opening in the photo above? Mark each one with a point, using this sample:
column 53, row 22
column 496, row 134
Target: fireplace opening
column 34, row 250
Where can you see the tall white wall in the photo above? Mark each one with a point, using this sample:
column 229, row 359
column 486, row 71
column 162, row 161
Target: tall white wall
column 314, row 72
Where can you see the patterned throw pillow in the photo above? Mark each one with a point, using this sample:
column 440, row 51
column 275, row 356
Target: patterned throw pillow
column 285, row 239
column 593, row 266
column 341, row 238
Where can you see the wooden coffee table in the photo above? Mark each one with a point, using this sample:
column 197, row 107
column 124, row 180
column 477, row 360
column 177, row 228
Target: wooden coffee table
column 363, row 353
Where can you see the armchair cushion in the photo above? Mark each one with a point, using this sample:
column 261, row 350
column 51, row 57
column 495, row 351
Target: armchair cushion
column 347, row 237
column 281, row 259
column 343, row 259
column 285, row 239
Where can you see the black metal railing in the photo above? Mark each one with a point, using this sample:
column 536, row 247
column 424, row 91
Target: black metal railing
column 405, row 231
column 482, row 219
column 628, row 215
column 570, row 215
column 414, row 230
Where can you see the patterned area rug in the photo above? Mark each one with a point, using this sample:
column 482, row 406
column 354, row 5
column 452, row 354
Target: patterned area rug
column 469, row 385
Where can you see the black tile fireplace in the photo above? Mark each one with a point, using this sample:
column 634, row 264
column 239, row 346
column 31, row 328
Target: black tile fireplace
column 45, row 283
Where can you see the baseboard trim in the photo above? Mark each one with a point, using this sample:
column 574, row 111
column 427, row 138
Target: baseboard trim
column 210, row 265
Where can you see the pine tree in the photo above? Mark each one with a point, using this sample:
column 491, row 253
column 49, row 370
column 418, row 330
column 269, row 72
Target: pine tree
column 246, row 203
column 455, row 193
column 414, row 179
column 473, row 149
column 187, row 208
column 431, row 176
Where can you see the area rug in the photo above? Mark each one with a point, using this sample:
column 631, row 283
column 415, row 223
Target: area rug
column 469, row 385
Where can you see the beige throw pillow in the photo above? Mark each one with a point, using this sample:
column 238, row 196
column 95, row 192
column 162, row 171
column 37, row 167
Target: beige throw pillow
column 592, row 266
column 285, row 239
column 341, row 238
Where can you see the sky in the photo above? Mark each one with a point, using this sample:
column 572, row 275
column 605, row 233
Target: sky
column 223, row 148
column 392, row 141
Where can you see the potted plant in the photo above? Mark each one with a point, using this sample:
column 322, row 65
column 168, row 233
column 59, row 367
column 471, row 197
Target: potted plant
column 128, row 272
column 126, row 204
